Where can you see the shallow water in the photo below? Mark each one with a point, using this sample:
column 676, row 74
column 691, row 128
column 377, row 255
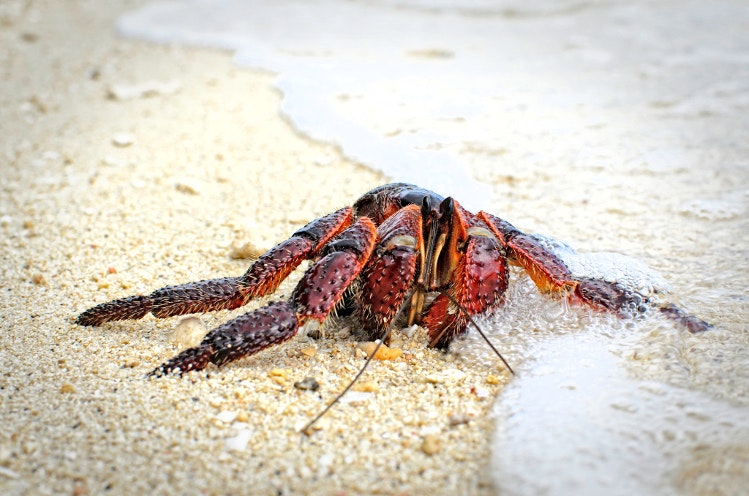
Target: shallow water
column 616, row 126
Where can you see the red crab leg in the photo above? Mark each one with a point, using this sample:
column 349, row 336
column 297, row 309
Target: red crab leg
column 391, row 271
column 262, row 278
column 479, row 281
column 314, row 297
column 552, row 276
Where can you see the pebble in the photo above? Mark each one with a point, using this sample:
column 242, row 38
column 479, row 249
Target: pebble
column 227, row 416
column 480, row 392
column 307, row 384
column 142, row 90
column 449, row 376
column 492, row 379
column 188, row 188
column 246, row 251
column 67, row 388
column 355, row 397
column 432, row 444
column 189, row 332
column 279, row 376
column 123, row 139
column 279, row 373
column 384, row 353
column 458, row 419
column 8, row 473
column 366, row 387
column 239, row 441
column 309, row 351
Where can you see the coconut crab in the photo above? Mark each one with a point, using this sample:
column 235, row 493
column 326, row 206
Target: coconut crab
column 391, row 251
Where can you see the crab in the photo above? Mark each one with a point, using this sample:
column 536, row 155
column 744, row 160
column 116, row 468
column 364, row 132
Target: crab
column 400, row 249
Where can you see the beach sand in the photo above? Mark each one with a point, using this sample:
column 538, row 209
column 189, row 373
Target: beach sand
column 127, row 167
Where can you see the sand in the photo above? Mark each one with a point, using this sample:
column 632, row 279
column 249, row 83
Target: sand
column 126, row 167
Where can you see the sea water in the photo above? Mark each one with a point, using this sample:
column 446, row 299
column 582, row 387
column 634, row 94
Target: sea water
column 619, row 126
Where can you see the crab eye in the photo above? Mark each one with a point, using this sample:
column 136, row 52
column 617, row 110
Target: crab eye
column 426, row 207
column 447, row 207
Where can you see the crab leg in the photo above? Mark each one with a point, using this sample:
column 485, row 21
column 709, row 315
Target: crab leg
column 314, row 297
column 391, row 272
column 552, row 276
column 262, row 278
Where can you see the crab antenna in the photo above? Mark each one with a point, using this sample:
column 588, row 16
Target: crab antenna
column 481, row 332
column 306, row 429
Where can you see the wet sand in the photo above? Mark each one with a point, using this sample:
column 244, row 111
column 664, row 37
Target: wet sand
column 127, row 167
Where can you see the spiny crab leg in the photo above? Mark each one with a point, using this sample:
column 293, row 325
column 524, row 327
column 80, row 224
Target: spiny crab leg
column 314, row 297
column 552, row 276
column 228, row 293
column 390, row 273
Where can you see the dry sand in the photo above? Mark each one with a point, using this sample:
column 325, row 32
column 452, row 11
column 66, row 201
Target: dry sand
column 127, row 167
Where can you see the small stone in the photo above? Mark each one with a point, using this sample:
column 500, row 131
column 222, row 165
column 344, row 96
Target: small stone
column 80, row 488
column 279, row 376
column 227, row 417
column 239, row 441
column 448, row 376
column 6, row 472
column 431, row 445
column 187, row 188
column 383, row 353
column 309, row 351
column 492, row 379
column 243, row 417
column 279, row 373
column 323, row 161
column 434, row 379
column 458, row 419
column 189, row 333
column 355, row 397
column 480, row 392
column 247, row 251
column 142, row 90
column 123, row 139
column 39, row 279
column 279, row 380
column 307, row 384
column 67, row 388
column 114, row 161
column 366, row 387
